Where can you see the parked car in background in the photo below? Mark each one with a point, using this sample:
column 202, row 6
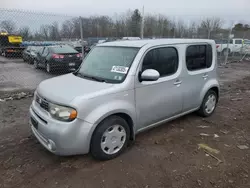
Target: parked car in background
column 87, row 49
column 122, row 89
column 30, row 53
column 131, row 38
column 58, row 57
column 76, row 45
column 234, row 45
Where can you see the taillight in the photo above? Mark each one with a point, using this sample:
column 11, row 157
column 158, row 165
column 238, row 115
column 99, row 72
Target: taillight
column 217, row 46
column 57, row 56
column 79, row 55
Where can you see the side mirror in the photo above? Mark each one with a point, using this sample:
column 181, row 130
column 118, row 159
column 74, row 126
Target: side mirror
column 149, row 75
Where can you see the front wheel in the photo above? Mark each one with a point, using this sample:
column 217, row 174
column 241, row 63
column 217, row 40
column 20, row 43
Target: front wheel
column 110, row 138
column 208, row 104
column 48, row 68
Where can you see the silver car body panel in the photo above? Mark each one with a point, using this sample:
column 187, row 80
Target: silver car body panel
column 148, row 104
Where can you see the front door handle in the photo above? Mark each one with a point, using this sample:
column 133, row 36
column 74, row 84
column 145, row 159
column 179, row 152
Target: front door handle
column 177, row 82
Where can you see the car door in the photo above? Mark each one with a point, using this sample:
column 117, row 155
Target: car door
column 199, row 58
column 39, row 56
column 42, row 56
column 161, row 99
column 238, row 43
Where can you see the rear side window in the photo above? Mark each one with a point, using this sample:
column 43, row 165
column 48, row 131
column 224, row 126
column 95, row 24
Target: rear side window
column 199, row 57
column 164, row 60
column 45, row 52
column 238, row 41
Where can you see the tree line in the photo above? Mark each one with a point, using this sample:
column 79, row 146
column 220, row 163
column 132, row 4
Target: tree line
column 127, row 24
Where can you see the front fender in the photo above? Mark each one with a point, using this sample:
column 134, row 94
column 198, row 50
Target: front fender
column 103, row 111
column 107, row 109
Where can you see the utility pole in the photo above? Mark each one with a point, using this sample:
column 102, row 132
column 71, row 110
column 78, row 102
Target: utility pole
column 228, row 41
column 81, row 30
column 142, row 23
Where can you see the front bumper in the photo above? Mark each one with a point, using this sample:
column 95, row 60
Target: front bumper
column 61, row 138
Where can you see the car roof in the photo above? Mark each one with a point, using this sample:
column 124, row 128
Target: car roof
column 153, row 42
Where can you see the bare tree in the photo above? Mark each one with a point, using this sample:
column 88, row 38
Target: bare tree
column 8, row 25
column 192, row 30
column 44, row 31
column 211, row 24
column 25, row 33
column 54, row 33
column 180, row 29
column 67, row 30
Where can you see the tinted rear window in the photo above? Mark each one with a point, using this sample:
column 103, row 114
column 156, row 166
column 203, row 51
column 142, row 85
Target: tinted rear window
column 199, row 57
column 62, row 49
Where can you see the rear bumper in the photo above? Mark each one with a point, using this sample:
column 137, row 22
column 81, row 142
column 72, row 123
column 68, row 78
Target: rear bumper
column 65, row 65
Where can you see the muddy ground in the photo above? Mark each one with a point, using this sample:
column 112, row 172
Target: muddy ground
column 167, row 156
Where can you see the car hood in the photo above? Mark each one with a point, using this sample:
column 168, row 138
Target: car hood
column 63, row 89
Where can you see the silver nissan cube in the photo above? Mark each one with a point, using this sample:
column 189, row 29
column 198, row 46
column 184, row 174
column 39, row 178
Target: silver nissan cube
column 121, row 89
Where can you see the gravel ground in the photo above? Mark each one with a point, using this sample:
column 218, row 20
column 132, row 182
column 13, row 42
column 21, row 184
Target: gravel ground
column 164, row 157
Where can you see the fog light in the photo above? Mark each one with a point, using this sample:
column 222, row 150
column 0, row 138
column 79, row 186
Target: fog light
column 51, row 145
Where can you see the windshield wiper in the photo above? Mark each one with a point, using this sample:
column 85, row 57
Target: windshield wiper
column 90, row 77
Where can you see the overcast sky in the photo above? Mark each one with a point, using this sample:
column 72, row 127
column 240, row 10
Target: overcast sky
column 230, row 10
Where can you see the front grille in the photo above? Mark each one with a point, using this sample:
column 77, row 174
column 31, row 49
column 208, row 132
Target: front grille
column 42, row 103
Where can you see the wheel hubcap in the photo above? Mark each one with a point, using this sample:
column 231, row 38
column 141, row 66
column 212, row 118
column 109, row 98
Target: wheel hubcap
column 210, row 104
column 113, row 139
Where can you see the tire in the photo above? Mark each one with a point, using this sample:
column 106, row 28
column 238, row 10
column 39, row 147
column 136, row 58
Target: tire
column 226, row 52
column 31, row 61
column 207, row 108
column 35, row 64
column 114, row 129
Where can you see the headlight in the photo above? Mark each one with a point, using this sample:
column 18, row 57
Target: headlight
column 62, row 113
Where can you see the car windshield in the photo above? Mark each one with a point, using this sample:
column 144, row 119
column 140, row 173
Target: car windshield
column 108, row 64
column 62, row 49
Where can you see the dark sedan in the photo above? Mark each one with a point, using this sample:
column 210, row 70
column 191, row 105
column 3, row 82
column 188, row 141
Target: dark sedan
column 30, row 53
column 59, row 57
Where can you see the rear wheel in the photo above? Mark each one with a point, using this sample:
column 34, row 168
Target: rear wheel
column 110, row 138
column 4, row 54
column 208, row 104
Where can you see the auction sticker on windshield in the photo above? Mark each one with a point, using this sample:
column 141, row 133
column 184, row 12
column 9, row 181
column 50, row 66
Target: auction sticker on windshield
column 119, row 69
